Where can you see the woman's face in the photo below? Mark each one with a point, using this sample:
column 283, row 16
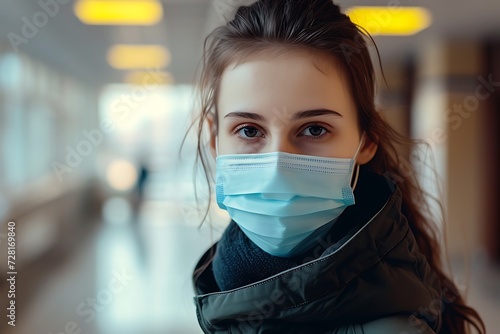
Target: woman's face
column 296, row 102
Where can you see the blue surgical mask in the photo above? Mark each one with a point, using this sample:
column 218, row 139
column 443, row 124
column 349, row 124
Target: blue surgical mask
column 284, row 202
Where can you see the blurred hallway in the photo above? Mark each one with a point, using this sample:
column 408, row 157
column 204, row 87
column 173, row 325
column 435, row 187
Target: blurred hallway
column 138, row 274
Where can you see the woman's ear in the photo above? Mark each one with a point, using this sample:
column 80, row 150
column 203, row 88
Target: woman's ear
column 213, row 135
column 367, row 152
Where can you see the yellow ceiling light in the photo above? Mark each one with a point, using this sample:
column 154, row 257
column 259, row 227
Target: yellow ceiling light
column 398, row 21
column 119, row 12
column 148, row 78
column 123, row 56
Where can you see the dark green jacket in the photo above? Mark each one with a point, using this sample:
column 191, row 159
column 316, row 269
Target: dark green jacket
column 375, row 281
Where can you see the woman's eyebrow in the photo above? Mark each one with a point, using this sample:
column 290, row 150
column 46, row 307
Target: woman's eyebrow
column 297, row 116
column 315, row 112
column 249, row 115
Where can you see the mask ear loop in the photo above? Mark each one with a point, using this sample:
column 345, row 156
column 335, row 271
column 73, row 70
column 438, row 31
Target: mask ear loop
column 357, row 165
column 356, row 179
column 216, row 145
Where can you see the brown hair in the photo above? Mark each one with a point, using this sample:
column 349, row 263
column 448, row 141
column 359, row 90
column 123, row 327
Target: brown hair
column 319, row 25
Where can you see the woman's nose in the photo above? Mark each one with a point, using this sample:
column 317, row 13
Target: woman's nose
column 283, row 144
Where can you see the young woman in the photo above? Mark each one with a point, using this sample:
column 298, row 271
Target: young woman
column 327, row 235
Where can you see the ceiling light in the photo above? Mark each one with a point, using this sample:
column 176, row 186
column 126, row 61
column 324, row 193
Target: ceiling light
column 391, row 20
column 119, row 12
column 124, row 56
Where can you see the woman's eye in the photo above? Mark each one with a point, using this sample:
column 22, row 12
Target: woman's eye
column 314, row 131
column 249, row 132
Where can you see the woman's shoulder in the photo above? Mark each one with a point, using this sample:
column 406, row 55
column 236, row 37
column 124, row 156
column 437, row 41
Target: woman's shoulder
column 388, row 325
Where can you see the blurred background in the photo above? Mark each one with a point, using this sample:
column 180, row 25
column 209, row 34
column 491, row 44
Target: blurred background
column 95, row 98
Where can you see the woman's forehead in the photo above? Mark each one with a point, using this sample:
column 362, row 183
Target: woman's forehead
column 294, row 80
column 323, row 61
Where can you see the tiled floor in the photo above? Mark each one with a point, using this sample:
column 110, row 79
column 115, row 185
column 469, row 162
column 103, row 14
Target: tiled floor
column 126, row 279
column 479, row 281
